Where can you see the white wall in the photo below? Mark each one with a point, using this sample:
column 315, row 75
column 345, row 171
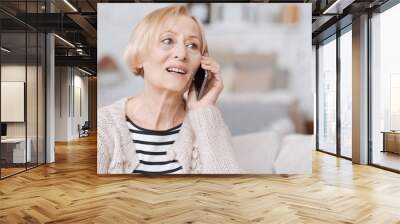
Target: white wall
column 33, row 126
column 61, row 103
column 17, row 73
column 68, row 82
column 14, row 73
column 80, row 83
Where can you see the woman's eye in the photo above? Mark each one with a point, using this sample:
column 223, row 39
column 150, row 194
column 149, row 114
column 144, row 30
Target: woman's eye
column 167, row 41
column 192, row 45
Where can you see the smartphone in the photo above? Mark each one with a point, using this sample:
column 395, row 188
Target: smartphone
column 200, row 80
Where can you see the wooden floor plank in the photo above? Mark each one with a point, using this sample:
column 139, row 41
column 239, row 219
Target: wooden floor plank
column 69, row 191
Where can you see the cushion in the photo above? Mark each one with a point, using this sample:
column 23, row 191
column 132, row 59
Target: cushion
column 295, row 155
column 256, row 152
column 282, row 127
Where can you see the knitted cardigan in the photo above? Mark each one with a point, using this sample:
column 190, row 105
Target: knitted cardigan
column 203, row 144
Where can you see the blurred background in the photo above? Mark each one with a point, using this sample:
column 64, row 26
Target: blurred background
column 264, row 51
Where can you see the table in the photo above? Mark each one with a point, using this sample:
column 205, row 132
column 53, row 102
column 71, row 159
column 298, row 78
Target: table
column 15, row 148
column 391, row 141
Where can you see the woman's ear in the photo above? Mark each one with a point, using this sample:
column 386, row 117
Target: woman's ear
column 141, row 70
column 205, row 51
column 139, row 66
column 138, row 62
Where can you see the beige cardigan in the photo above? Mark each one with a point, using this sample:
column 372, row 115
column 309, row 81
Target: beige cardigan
column 203, row 144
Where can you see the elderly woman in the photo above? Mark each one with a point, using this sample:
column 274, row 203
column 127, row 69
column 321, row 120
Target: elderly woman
column 163, row 130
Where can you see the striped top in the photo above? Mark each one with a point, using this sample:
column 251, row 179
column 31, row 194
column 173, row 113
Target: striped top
column 151, row 148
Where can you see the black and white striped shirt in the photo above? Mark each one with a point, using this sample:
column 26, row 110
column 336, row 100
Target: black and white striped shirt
column 151, row 149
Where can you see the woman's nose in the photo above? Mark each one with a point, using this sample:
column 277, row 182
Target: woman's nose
column 180, row 52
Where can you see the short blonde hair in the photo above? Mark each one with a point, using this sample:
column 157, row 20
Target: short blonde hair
column 141, row 37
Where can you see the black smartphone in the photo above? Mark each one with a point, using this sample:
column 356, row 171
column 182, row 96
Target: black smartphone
column 200, row 80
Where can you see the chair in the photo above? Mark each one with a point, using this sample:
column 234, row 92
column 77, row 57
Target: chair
column 84, row 130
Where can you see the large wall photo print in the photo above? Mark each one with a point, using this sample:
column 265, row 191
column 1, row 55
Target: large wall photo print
column 204, row 88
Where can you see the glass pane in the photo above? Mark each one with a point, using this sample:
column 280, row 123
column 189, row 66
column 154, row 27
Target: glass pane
column 13, row 87
column 31, row 101
column 32, row 6
column 22, row 89
column 386, row 89
column 346, row 94
column 31, row 85
column 41, row 98
column 14, row 5
column 327, row 97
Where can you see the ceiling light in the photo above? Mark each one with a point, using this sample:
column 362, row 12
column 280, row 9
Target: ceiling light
column 70, row 5
column 84, row 71
column 64, row 40
column 337, row 7
column 5, row 49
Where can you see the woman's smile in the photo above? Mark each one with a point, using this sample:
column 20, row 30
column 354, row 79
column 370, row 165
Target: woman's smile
column 177, row 69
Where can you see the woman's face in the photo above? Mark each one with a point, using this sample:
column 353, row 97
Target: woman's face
column 174, row 56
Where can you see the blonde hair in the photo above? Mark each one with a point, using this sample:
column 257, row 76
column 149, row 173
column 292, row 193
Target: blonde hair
column 143, row 34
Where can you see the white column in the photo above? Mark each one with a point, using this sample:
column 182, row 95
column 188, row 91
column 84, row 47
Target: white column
column 360, row 90
column 50, row 99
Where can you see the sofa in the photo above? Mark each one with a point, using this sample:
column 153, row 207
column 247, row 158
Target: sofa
column 268, row 132
column 254, row 112
column 269, row 152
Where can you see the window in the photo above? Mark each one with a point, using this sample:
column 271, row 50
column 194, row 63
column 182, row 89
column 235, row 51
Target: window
column 327, row 97
column 23, row 76
column 385, row 89
column 346, row 94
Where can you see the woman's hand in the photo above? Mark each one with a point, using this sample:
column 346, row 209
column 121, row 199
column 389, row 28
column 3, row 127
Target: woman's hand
column 213, row 86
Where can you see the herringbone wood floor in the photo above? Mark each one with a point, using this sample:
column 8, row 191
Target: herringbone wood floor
column 69, row 191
